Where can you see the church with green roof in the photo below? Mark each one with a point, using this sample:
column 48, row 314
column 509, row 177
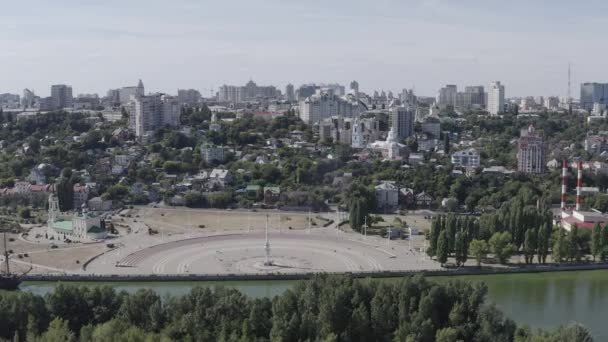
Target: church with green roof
column 82, row 226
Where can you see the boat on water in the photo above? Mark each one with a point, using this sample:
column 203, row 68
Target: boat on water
column 9, row 280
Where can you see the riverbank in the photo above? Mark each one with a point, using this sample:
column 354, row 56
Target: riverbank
column 303, row 276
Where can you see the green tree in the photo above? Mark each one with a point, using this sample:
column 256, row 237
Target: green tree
column 479, row 249
column 573, row 244
column 501, row 246
column 360, row 201
column 460, row 249
column 529, row 246
column 543, row 242
column 559, row 247
column 58, row 331
column 65, row 193
column 442, row 247
column 596, row 241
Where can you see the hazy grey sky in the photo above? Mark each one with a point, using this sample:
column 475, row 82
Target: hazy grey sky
column 384, row 44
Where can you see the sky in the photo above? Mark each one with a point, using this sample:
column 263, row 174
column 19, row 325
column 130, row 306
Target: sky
column 96, row 45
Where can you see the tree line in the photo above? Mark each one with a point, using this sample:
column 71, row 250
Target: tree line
column 326, row 308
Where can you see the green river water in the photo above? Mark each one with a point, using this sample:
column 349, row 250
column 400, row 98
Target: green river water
column 540, row 300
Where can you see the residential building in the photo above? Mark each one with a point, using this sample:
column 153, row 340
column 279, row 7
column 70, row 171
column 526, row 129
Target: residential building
column 402, row 119
column 46, row 104
column 432, row 127
column 62, row 96
column 29, row 98
column 531, row 152
column 592, row 93
column 148, row 113
column 10, row 101
column 387, row 195
column 290, row 94
column 473, row 97
column 211, row 154
column 251, row 91
column 126, row 93
column 468, row 158
column 272, row 194
column 188, row 97
column 354, row 89
column 596, row 144
column 496, row 98
column 447, row 95
column 81, row 195
column 324, row 105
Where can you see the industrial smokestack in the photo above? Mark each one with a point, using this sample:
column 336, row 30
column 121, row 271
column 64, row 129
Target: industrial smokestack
column 579, row 185
column 564, row 177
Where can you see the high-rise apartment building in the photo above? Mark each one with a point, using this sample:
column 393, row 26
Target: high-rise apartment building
column 402, row 119
column 148, row 113
column 249, row 92
column 354, row 88
column 447, row 95
column 496, row 98
column 62, row 96
column 531, row 152
column 290, row 93
column 323, row 105
column 28, row 99
column 189, row 97
column 125, row 93
column 593, row 93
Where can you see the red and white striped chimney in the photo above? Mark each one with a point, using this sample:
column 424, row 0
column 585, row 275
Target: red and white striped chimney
column 579, row 185
column 564, row 177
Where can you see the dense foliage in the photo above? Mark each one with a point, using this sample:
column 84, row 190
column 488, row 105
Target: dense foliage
column 327, row 308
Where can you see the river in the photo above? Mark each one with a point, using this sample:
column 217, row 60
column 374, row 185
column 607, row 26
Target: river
column 540, row 300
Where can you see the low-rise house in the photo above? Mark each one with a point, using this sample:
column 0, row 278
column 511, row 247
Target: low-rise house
column 99, row 204
column 81, row 195
column 272, row 194
column 387, row 195
column 407, row 197
column 219, row 178
column 253, row 192
column 423, row 199
column 468, row 158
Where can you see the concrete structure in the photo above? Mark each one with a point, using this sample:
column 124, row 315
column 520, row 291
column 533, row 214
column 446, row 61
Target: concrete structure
column 188, row 97
column 62, row 96
column 364, row 131
column 432, row 127
column 212, row 153
column 251, row 91
column 468, row 158
column 354, row 88
column 402, row 120
column 126, row 93
column 28, row 99
column 10, row 101
column 596, row 144
column 496, row 98
column 148, row 113
column 592, row 93
column 473, row 97
column 323, row 105
column 531, row 152
column 387, row 195
column 446, row 96
column 290, row 94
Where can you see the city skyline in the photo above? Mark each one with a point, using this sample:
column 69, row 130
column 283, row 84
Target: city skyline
column 95, row 46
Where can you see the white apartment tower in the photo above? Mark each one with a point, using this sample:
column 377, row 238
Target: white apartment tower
column 148, row 113
column 496, row 98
